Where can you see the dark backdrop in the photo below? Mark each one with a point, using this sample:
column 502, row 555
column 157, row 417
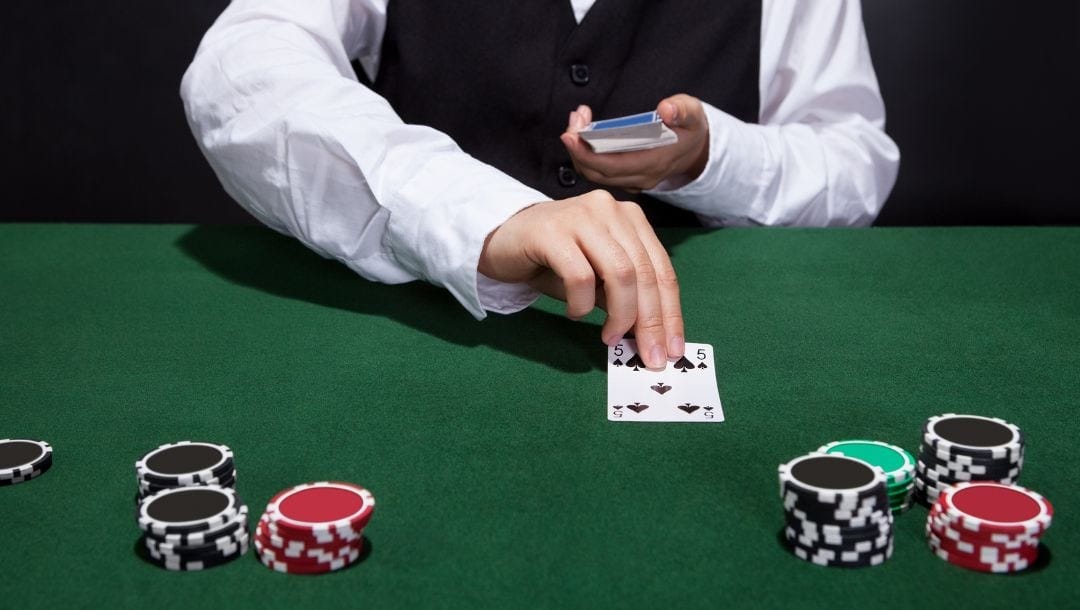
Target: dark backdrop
column 982, row 98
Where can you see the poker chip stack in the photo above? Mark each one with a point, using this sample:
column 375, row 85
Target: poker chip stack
column 188, row 509
column 961, row 448
column 184, row 464
column 314, row 528
column 194, row 528
column 836, row 510
column 22, row 460
column 897, row 464
column 988, row 527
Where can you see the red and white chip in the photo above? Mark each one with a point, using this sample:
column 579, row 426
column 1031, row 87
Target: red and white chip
column 986, row 506
column 314, row 528
column 988, row 526
column 322, row 509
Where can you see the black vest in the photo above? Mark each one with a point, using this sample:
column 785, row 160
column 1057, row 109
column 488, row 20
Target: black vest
column 501, row 76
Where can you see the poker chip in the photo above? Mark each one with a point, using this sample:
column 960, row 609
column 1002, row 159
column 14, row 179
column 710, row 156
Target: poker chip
column 22, row 460
column 191, row 564
column 314, row 528
column 198, row 538
column 973, row 435
column 897, row 464
column 185, row 463
column 965, row 448
column 988, row 526
column 194, row 527
column 213, row 545
column 837, row 510
column 187, row 506
column 188, row 509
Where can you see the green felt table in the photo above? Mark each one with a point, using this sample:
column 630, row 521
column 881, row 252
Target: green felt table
column 500, row 482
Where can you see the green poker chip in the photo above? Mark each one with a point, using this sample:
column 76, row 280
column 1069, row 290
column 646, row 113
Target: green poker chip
column 898, row 464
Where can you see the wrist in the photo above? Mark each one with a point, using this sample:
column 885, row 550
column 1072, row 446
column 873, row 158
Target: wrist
column 698, row 160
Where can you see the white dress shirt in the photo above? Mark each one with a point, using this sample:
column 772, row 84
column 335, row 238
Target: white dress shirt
column 295, row 139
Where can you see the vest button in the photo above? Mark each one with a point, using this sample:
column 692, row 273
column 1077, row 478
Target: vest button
column 579, row 73
column 567, row 176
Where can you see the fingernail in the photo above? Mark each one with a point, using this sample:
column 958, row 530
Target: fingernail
column 657, row 358
column 676, row 347
column 613, row 340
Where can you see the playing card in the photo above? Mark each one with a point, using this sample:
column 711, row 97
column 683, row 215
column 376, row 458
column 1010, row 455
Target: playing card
column 628, row 133
column 684, row 391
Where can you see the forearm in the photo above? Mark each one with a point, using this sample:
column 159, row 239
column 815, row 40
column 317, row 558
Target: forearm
column 799, row 174
column 296, row 140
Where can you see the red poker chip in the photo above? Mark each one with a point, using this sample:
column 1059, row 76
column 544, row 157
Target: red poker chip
column 982, row 553
column 951, row 535
column 330, row 557
column 962, row 561
column 954, row 529
column 293, row 544
column 320, row 511
column 338, row 537
column 289, row 552
column 987, row 506
column 293, row 567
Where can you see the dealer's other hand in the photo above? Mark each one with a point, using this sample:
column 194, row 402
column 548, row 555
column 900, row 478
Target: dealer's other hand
column 644, row 169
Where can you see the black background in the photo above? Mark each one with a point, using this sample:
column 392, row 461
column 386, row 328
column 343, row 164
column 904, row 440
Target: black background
column 982, row 97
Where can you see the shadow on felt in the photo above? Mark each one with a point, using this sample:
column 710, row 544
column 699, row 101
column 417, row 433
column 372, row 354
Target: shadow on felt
column 261, row 259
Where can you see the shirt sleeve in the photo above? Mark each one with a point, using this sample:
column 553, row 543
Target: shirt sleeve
column 292, row 135
column 820, row 155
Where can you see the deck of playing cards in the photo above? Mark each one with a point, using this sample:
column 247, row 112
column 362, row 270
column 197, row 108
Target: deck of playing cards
column 624, row 134
column 685, row 391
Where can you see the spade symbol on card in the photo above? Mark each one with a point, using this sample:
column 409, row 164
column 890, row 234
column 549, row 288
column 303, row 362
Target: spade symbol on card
column 617, row 407
column 637, row 407
column 708, row 408
column 616, row 362
column 688, row 408
column 661, row 388
column 683, row 364
column 636, row 362
column 702, row 366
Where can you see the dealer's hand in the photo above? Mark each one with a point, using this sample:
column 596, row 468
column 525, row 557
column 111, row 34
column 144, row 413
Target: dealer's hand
column 644, row 169
column 593, row 250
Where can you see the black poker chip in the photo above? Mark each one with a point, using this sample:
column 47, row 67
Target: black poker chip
column 959, row 449
column 185, row 463
column 836, row 510
column 187, row 507
column 220, row 545
column 851, row 513
column 200, row 538
column 864, row 556
column 23, row 460
column 191, row 564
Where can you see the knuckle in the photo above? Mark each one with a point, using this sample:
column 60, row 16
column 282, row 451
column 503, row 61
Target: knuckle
column 666, row 278
column 599, row 197
column 579, row 279
column 646, row 273
column 650, row 323
column 674, row 320
column 634, row 209
column 624, row 274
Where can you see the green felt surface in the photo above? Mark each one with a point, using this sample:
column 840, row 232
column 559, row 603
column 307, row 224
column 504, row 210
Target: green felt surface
column 500, row 483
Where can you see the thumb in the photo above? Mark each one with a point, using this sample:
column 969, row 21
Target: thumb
column 683, row 111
